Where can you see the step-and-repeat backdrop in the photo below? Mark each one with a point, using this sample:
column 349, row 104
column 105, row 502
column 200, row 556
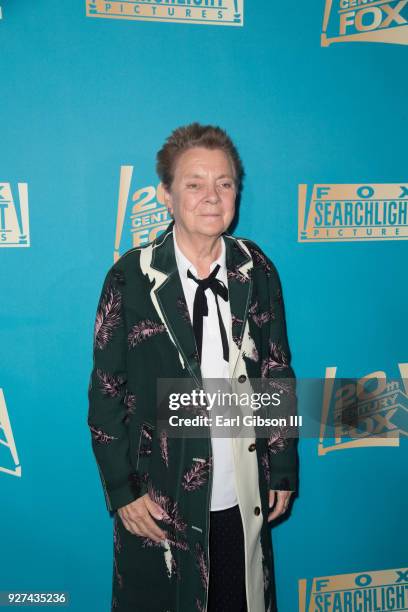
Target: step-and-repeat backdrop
column 314, row 94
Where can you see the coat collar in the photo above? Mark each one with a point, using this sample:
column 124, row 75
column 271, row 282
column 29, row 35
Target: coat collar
column 159, row 262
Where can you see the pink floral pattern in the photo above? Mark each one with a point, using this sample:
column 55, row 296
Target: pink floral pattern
column 110, row 385
column 108, row 316
column 197, row 475
column 277, row 441
column 202, row 564
column 265, row 466
column 164, row 450
column 101, row 436
column 276, row 360
column 175, row 525
column 237, row 275
column 146, row 439
column 143, row 330
column 280, row 386
column 260, row 318
column 183, row 309
column 129, row 401
column 116, row 538
column 258, row 257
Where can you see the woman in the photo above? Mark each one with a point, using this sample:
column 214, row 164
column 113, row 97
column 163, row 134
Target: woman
column 191, row 515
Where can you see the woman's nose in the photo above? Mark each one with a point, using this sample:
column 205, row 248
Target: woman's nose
column 212, row 193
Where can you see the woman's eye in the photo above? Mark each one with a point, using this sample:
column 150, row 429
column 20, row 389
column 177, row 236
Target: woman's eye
column 192, row 185
column 227, row 185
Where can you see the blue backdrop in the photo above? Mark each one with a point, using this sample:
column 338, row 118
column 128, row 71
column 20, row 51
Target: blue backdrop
column 86, row 102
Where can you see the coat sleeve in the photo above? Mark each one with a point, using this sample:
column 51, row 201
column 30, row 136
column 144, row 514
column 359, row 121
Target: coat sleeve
column 282, row 448
column 107, row 397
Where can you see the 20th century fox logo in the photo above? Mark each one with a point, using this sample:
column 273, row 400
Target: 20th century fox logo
column 141, row 213
column 365, row 20
column 365, row 412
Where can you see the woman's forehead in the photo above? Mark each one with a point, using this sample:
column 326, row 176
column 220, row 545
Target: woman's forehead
column 197, row 161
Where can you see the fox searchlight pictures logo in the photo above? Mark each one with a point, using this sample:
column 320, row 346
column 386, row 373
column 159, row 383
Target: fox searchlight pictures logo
column 383, row 21
column 383, row 590
column 344, row 212
column 209, row 12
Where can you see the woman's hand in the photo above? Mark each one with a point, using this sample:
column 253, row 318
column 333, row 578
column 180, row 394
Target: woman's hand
column 282, row 503
column 137, row 517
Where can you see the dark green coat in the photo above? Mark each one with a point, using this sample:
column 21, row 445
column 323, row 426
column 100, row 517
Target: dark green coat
column 142, row 333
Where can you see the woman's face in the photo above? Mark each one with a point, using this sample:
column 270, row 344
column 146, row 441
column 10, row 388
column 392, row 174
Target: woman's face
column 202, row 195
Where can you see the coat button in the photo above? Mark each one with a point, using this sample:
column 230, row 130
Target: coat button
column 242, row 378
column 252, row 447
column 257, row 510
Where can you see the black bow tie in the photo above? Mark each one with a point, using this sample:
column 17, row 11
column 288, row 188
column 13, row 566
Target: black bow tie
column 200, row 308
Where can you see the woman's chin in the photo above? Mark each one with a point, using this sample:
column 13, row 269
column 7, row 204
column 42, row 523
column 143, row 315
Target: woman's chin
column 208, row 221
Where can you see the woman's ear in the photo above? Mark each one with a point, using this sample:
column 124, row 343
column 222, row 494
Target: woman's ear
column 164, row 197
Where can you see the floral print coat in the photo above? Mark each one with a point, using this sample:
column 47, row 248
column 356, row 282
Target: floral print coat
column 143, row 332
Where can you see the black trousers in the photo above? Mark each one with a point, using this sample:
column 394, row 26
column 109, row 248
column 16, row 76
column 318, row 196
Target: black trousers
column 226, row 591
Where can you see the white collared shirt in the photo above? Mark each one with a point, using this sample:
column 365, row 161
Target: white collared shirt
column 213, row 365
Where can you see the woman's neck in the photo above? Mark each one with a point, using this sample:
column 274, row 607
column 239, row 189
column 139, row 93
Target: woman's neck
column 200, row 250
